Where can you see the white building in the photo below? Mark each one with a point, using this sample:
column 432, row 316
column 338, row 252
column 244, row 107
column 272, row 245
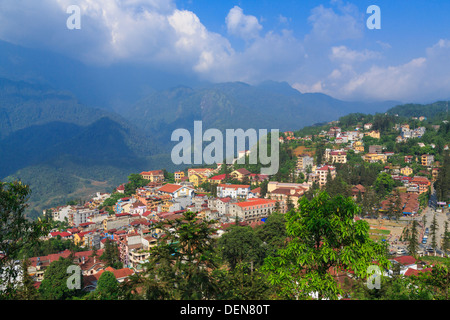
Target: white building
column 233, row 190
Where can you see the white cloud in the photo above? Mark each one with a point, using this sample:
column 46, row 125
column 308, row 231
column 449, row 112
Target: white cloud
column 342, row 53
column 241, row 25
column 330, row 26
column 156, row 32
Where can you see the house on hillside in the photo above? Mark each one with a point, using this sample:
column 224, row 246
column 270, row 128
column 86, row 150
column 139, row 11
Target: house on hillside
column 153, row 176
column 240, row 174
column 176, row 190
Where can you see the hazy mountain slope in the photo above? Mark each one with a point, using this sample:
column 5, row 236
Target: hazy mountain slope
column 64, row 149
column 271, row 105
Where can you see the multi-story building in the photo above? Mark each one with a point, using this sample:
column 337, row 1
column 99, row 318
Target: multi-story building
column 253, row 209
column 374, row 157
column 233, row 190
column 358, row 146
column 178, row 175
column 153, row 176
column 81, row 215
column 304, row 161
column 427, row 160
column 285, row 192
column 176, row 190
column 338, row 156
column 407, row 171
column 322, row 173
column 374, row 134
column 375, row 149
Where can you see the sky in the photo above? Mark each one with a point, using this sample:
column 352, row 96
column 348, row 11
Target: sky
column 315, row 46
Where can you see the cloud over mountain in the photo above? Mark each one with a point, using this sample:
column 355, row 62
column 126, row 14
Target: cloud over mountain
column 329, row 56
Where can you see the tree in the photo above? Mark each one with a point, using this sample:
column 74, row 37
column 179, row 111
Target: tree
column 55, row 283
column 323, row 237
column 107, row 287
column 111, row 255
column 433, row 229
column 437, row 281
column 240, row 245
column 289, row 204
column 15, row 231
column 413, row 239
column 27, row 290
column 442, row 183
column 244, row 282
column 395, row 205
column 135, row 181
column 181, row 265
column 384, row 183
column 370, row 203
column 273, row 233
column 446, row 239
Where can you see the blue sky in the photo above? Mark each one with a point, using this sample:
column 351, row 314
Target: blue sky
column 315, row 46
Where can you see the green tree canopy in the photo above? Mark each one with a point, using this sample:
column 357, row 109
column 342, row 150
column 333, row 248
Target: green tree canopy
column 55, row 283
column 323, row 235
column 107, row 287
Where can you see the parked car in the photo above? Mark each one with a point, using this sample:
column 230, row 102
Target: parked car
column 401, row 251
column 424, row 241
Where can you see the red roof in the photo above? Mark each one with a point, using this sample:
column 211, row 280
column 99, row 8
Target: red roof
column 85, row 224
column 123, row 214
column 152, row 173
column 414, row 272
column 170, row 188
column 326, row 167
column 218, row 177
column 234, row 186
column 120, row 273
column 405, row 260
column 254, row 202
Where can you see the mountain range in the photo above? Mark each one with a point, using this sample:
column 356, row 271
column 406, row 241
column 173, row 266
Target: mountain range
column 69, row 129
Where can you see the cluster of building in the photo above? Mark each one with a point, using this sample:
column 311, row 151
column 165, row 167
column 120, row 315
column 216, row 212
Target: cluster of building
column 133, row 225
column 407, row 133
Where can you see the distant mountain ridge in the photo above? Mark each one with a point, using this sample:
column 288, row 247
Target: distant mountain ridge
column 270, row 105
column 61, row 147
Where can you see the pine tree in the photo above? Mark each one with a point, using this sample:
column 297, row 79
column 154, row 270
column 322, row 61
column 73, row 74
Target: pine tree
column 27, row 290
column 413, row 239
column 433, row 228
column 446, row 240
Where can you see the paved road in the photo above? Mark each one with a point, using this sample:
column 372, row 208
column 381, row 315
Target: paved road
column 441, row 218
column 429, row 213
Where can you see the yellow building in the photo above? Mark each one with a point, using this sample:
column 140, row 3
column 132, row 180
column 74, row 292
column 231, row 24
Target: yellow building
column 202, row 171
column 358, row 146
column 179, row 175
column 374, row 134
column 153, row 176
column 406, row 171
column 79, row 238
column 338, row 156
column 240, row 174
column 197, row 179
column 427, row 160
column 374, row 157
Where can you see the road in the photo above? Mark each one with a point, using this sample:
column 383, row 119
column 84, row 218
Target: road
column 441, row 218
column 429, row 213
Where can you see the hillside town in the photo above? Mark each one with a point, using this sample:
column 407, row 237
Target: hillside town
column 229, row 194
